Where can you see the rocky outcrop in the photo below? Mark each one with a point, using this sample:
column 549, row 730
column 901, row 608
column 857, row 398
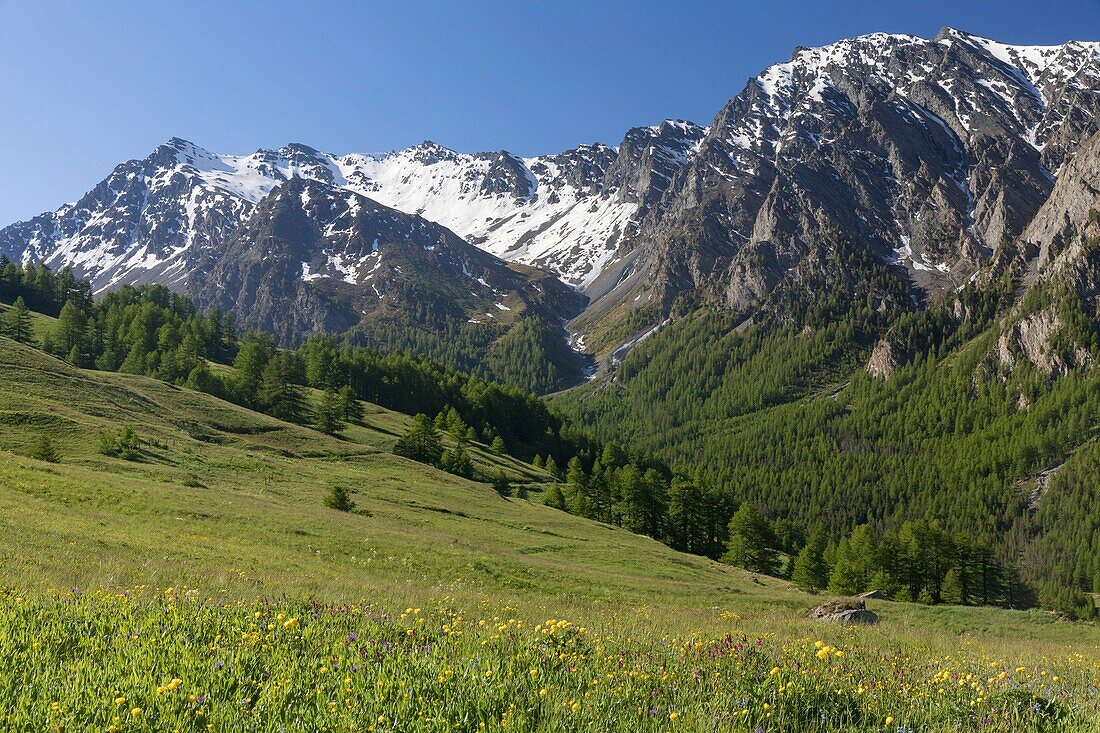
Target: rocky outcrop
column 928, row 154
column 1059, row 260
column 843, row 612
column 649, row 158
column 1076, row 195
column 883, row 362
column 1030, row 338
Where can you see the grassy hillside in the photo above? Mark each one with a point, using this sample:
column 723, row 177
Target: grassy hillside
column 212, row 560
column 210, row 469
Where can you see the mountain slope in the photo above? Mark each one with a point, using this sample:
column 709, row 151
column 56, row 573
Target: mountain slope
column 929, row 154
column 225, row 497
column 312, row 258
column 273, row 240
column 878, row 173
column 219, row 536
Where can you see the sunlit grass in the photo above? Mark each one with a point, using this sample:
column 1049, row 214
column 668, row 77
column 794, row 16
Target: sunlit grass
column 162, row 659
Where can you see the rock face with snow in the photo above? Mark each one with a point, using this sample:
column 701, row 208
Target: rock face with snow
column 147, row 222
column 572, row 213
column 315, row 258
column 1058, row 264
column 1074, row 197
column 929, row 154
column 569, row 213
column 286, row 241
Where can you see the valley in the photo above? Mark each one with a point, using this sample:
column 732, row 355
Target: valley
column 431, row 440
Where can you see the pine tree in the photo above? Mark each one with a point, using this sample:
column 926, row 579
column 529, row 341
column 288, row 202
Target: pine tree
column 810, row 573
column 952, row 590
column 552, row 467
column 71, row 331
column 498, row 447
column 855, row 561
column 329, row 415
column 421, row 442
column 751, row 543
column 455, row 425
column 846, row 578
column 613, row 455
column 248, row 369
column 554, row 498
column 45, row 450
column 351, row 406
column 576, row 488
column 457, row 461
column 500, row 483
column 575, row 476
column 278, row 396
column 108, row 444
column 685, row 517
column 204, row 380
column 339, row 498
column 17, row 322
column 129, row 447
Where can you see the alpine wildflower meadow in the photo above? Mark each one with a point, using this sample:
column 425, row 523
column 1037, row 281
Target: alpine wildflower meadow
column 149, row 659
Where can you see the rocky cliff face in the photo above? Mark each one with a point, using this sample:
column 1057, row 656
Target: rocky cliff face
column 314, row 258
column 930, row 154
column 1057, row 262
column 883, row 361
column 1066, row 212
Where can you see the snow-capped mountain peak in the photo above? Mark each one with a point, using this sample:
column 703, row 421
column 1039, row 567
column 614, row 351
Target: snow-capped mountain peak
column 931, row 153
column 556, row 211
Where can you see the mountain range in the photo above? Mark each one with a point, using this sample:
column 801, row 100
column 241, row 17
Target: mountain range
column 886, row 169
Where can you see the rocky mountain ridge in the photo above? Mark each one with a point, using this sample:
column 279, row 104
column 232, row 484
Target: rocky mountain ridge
column 568, row 213
column 933, row 155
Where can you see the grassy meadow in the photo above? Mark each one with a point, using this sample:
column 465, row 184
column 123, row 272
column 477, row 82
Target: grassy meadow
column 206, row 586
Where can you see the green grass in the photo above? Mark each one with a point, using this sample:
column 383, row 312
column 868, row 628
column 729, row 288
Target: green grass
column 155, row 659
column 226, row 509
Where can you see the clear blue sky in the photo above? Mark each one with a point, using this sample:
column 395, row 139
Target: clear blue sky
column 85, row 85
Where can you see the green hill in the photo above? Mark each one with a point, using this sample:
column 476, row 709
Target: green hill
column 225, row 495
